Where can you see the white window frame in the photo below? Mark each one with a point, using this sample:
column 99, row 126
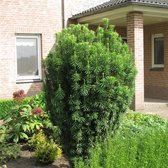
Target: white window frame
column 33, row 77
column 153, row 50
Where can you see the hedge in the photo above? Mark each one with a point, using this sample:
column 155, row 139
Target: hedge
column 5, row 107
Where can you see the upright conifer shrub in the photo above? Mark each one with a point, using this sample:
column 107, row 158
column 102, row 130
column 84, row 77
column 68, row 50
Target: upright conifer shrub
column 89, row 84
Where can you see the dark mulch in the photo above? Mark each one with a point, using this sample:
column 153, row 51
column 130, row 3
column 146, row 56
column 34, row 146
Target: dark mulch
column 27, row 161
column 1, row 122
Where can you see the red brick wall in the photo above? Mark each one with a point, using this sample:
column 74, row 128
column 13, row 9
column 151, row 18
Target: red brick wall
column 25, row 16
column 122, row 31
column 136, row 43
column 156, row 80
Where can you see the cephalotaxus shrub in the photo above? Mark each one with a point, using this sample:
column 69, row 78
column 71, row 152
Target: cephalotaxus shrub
column 89, row 84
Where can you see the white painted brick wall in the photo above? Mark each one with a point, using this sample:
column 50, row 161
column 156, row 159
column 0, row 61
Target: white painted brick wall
column 81, row 5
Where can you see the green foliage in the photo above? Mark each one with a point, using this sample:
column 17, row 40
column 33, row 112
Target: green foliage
column 8, row 151
column 3, row 166
column 36, row 140
column 22, row 123
column 38, row 101
column 89, row 84
column 136, row 122
column 47, row 152
column 3, row 132
column 143, row 145
column 139, row 119
column 25, row 119
column 5, row 107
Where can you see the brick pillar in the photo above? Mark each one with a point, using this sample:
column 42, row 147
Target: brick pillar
column 136, row 43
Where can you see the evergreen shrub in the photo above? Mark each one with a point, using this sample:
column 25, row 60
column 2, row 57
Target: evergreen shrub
column 89, row 84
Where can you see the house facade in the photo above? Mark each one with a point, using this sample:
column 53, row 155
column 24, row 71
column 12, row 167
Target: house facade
column 27, row 34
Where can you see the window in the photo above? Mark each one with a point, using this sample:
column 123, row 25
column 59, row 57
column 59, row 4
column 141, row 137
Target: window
column 28, row 51
column 124, row 39
column 157, row 50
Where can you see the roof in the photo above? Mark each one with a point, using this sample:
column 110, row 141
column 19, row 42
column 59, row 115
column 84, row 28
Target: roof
column 119, row 3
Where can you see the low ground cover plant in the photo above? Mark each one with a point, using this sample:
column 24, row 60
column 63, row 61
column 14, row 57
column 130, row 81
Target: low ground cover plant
column 46, row 150
column 141, row 141
column 36, row 140
column 8, row 151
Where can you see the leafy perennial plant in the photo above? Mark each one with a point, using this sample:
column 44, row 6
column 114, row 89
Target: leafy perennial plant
column 25, row 119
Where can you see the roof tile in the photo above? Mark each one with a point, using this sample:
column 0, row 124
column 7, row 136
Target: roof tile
column 116, row 3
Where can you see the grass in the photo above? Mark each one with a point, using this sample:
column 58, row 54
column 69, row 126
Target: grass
column 141, row 142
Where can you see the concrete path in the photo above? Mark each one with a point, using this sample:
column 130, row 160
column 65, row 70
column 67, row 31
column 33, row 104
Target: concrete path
column 156, row 106
column 1, row 122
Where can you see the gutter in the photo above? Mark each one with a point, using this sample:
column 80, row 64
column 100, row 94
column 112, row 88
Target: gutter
column 63, row 13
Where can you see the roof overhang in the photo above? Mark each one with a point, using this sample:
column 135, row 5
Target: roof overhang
column 117, row 16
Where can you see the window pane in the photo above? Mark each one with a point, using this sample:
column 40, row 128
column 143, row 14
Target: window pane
column 124, row 40
column 158, row 51
column 27, row 57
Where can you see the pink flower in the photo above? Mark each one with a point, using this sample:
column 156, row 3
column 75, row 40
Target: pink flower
column 19, row 95
column 37, row 110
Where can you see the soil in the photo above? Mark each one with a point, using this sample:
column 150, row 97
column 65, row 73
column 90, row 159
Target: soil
column 1, row 122
column 26, row 160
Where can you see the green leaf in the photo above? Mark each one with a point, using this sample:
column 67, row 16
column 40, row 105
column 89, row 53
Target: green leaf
column 16, row 138
column 25, row 128
column 23, row 135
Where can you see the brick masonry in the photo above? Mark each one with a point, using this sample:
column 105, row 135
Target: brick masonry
column 156, row 80
column 45, row 17
column 25, row 16
column 135, row 41
column 122, row 31
column 30, row 16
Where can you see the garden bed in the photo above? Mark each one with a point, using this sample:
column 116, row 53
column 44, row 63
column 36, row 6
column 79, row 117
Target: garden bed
column 26, row 160
column 1, row 122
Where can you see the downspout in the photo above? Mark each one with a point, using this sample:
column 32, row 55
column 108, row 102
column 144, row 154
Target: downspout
column 63, row 14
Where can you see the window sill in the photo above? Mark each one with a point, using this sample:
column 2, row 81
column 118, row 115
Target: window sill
column 21, row 81
column 157, row 69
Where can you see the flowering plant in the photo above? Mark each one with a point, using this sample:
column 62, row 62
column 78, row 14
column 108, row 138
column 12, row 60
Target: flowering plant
column 27, row 117
column 19, row 95
column 37, row 111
